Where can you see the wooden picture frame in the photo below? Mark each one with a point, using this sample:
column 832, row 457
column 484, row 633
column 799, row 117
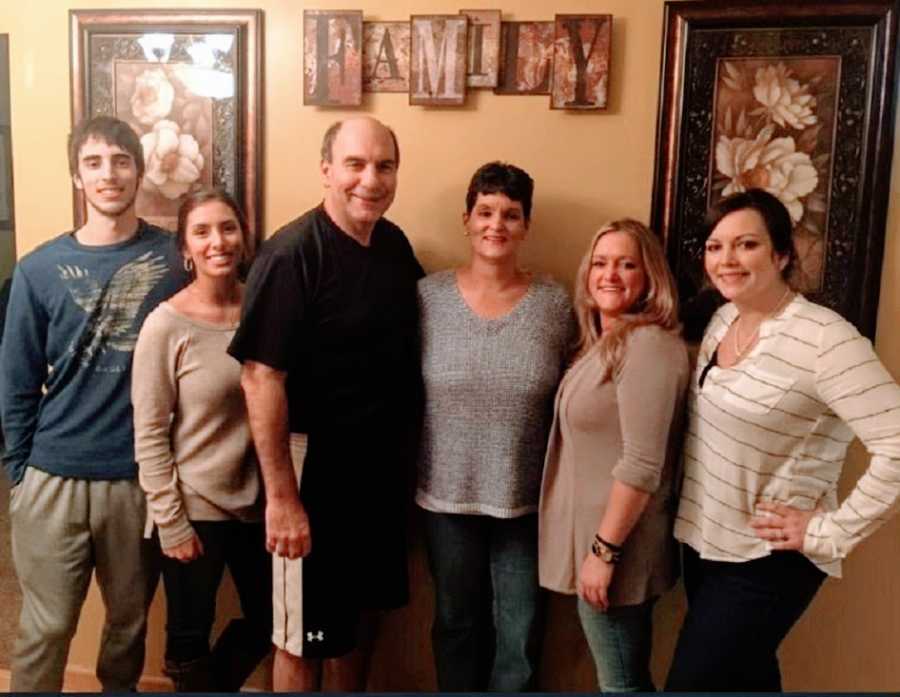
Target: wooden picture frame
column 385, row 56
column 193, row 73
column 437, row 60
column 582, row 48
column 332, row 57
column 797, row 98
column 6, row 183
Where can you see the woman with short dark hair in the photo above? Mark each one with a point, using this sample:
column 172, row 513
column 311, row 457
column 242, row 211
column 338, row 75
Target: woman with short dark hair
column 781, row 388
column 494, row 342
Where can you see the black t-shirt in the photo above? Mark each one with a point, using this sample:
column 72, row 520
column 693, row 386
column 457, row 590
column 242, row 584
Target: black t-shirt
column 341, row 319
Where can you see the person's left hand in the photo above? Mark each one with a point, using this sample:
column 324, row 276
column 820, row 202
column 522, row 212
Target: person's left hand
column 782, row 526
column 593, row 582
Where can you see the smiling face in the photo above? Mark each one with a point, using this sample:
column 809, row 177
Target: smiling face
column 108, row 176
column 361, row 179
column 213, row 240
column 496, row 227
column 617, row 278
column 740, row 260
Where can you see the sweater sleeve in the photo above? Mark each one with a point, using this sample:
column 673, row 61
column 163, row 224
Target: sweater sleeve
column 154, row 394
column 23, row 371
column 854, row 384
column 649, row 387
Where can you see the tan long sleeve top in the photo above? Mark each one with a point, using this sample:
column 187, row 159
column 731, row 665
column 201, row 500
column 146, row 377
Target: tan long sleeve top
column 192, row 438
column 627, row 428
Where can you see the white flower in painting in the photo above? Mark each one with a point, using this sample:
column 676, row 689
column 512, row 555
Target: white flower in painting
column 152, row 97
column 783, row 98
column 173, row 159
column 773, row 165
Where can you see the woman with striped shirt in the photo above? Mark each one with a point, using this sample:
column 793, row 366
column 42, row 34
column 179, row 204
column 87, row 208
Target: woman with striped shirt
column 782, row 386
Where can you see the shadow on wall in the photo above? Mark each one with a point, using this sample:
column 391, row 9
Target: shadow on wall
column 10, row 597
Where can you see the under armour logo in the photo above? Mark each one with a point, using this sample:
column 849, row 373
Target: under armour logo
column 315, row 636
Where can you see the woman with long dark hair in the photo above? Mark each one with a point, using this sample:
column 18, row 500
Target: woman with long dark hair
column 782, row 387
column 196, row 458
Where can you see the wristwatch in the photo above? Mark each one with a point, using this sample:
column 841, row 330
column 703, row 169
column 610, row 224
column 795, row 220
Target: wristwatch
column 604, row 552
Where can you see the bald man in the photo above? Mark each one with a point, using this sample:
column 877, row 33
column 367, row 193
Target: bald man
column 332, row 381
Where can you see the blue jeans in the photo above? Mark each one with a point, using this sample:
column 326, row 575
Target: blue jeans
column 470, row 556
column 620, row 640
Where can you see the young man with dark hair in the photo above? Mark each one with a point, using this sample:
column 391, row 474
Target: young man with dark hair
column 76, row 306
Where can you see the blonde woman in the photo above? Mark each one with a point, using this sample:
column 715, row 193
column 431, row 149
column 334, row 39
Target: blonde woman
column 605, row 509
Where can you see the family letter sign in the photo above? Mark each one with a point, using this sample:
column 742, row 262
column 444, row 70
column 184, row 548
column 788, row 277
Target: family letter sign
column 434, row 58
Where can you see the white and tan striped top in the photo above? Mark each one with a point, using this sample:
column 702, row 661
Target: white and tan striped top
column 776, row 426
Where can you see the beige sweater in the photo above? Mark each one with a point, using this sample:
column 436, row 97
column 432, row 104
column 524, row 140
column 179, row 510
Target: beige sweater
column 192, row 439
column 627, row 429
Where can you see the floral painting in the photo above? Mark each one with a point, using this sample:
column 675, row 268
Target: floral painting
column 175, row 127
column 774, row 129
column 189, row 83
column 798, row 103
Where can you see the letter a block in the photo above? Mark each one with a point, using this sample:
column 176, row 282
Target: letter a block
column 437, row 61
column 386, row 57
column 332, row 57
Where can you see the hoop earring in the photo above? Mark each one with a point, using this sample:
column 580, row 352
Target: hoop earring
column 188, row 264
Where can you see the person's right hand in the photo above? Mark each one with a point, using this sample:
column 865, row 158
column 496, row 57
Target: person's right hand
column 186, row 551
column 287, row 528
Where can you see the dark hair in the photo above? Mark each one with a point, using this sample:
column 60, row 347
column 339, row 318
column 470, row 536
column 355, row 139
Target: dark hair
column 327, row 149
column 501, row 178
column 774, row 214
column 196, row 199
column 110, row 130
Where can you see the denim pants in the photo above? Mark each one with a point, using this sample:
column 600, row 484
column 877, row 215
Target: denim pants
column 620, row 640
column 738, row 614
column 191, row 606
column 488, row 603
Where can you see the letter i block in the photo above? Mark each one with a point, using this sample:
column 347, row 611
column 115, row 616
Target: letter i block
column 484, row 47
column 332, row 57
column 437, row 60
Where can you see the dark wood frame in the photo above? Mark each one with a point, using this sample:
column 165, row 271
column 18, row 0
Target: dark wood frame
column 697, row 33
column 245, row 25
column 6, row 182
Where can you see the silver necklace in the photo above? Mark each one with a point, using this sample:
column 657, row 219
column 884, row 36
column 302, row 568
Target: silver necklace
column 740, row 351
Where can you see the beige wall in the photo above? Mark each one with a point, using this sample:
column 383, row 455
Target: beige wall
column 587, row 167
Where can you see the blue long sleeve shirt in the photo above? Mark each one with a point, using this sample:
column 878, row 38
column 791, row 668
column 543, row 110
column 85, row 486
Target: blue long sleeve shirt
column 65, row 361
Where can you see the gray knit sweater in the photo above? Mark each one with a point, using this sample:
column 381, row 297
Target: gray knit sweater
column 489, row 387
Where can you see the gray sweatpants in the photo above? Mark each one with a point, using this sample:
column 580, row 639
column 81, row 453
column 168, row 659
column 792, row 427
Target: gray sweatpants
column 62, row 530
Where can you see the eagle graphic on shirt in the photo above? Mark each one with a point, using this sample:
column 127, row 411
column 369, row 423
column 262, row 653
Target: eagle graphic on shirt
column 111, row 308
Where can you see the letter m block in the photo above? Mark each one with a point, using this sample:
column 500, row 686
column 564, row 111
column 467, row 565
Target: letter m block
column 437, row 60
